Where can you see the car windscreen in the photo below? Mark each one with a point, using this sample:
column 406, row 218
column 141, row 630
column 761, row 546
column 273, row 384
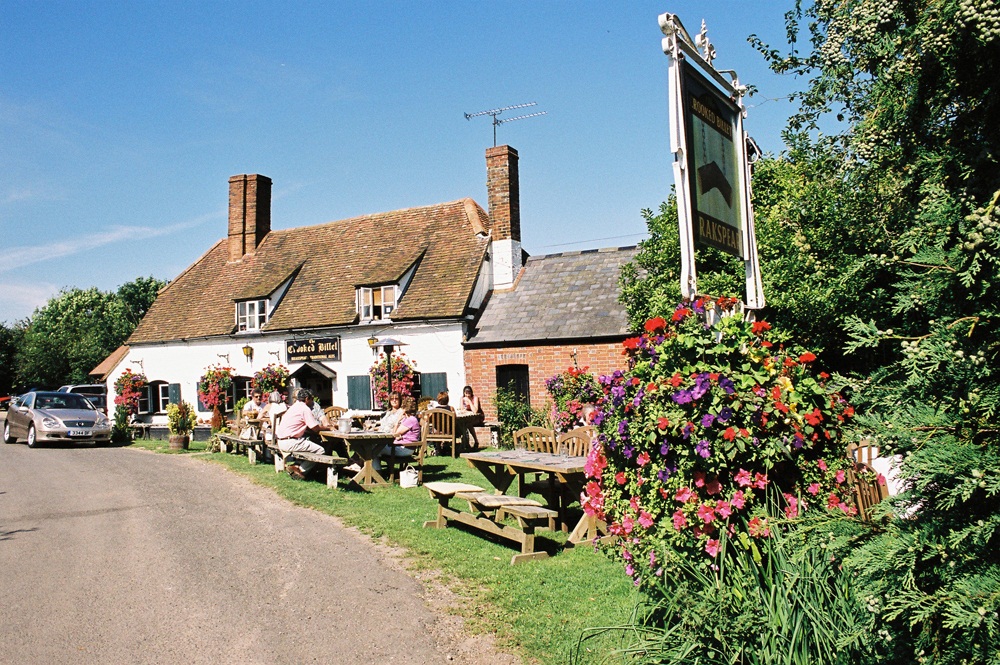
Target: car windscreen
column 63, row 401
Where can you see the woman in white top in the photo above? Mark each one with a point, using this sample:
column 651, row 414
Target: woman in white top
column 392, row 415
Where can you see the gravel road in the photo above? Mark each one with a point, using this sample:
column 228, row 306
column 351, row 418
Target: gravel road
column 114, row 555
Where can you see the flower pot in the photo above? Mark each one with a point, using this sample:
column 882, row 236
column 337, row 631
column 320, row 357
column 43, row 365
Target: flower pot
column 179, row 441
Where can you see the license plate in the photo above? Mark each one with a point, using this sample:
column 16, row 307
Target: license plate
column 79, row 432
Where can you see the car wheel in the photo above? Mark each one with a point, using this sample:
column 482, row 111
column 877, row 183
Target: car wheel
column 32, row 439
column 7, row 438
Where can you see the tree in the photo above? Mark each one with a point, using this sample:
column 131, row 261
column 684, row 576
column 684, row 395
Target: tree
column 10, row 340
column 77, row 329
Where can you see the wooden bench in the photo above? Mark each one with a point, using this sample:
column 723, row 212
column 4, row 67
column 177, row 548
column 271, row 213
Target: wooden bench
column 253, row 448
column 488, row 512
column 331, row 462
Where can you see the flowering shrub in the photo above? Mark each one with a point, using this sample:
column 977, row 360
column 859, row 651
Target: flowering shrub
column 271, row 378
column 214, row 386
column 570, row 390
column 403, row 371
column 129, row 388
column 705, row 419
column 181, row 418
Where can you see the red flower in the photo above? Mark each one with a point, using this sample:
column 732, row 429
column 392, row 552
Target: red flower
column 766, row 344
column 807, row 357
column 635, row 381
column 776, row 392
column 662, row 423
column 651, row 387
column 814, row 417
column 729, row 434
column 620, row 477
column 680, row 313
column 790, row 363
column 676, row 379
column 759, row 326
column 656, row 324
column 632, row 343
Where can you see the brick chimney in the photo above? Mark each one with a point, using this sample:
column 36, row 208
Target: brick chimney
column 505, row 214
column 249, row 213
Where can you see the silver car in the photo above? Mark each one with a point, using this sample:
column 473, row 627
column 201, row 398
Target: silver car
column 49, row 417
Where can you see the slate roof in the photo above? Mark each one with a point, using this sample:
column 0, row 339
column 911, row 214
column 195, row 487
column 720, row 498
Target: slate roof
column 572, row 295
column 326, row 263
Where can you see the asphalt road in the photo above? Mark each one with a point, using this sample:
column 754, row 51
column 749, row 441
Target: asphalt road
column 113, row 555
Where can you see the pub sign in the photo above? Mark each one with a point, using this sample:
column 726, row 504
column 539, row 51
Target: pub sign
column 314, row 348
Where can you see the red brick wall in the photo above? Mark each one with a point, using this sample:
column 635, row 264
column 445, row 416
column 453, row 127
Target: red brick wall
column 249, row 213
column 503, row 190
column 543, row 362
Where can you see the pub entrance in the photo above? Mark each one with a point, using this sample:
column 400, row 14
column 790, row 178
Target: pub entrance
column 318, row 379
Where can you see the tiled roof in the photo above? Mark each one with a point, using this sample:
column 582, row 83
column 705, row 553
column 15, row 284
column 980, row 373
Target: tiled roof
column 326, row 263
column 573, row 295
column 109, row 363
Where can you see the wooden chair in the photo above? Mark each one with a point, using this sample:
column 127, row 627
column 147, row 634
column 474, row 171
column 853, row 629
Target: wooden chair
column 577, row 441
column 334, row 413
column 537, row 439
column 442, row 430
column 867, row 490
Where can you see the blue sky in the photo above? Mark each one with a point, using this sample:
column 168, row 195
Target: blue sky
column 121, row 122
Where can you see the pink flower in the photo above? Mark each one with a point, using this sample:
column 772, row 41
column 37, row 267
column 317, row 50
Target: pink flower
column 699, row 478
column 738, row 501
column 743, row 478
column 643, row 459
column 792, row 509
column 758, row 528
column 724, row 509
column 628, row 524
column 679, row 520
column 881, row 479
column 712, row 547
column 840, row 477
column 813, row 489
column 645, row 519
column 620, row 477
column 706, row 514
column 759, row 481
column 684, row 494
column 822, row 465
column 634, row 504
column 714, row 487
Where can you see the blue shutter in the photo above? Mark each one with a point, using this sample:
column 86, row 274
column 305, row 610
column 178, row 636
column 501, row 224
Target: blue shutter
column 431, row 383
column 359, row 392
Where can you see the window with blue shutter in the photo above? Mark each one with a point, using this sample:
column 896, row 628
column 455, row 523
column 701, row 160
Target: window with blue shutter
column 431, row 383
column 359, row 392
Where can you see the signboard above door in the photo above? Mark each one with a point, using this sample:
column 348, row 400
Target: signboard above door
column 315, row 348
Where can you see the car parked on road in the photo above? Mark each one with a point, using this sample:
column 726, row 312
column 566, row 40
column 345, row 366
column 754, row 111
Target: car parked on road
column 51, row 417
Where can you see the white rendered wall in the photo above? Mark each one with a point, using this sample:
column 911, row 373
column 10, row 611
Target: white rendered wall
column 506, row 257
column 434, row 347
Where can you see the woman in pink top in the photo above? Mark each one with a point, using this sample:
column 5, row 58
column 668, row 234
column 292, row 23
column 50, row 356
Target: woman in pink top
column 408, row 429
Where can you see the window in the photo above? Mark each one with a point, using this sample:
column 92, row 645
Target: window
column 251, row 314
column 240, row 389
column 155, row 397
column 377, row 302
column 515, row 377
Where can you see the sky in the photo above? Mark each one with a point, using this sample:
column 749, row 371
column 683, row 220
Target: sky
column 121, row 122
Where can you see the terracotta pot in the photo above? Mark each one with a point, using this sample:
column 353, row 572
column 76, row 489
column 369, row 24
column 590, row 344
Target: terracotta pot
column 179, row 441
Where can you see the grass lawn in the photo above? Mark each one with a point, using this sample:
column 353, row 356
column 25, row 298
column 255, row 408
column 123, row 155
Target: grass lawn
column 536, row 609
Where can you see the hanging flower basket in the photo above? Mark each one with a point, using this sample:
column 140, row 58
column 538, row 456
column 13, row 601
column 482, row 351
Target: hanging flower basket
column 270, row 379
column 403, row 377
column 213, row 389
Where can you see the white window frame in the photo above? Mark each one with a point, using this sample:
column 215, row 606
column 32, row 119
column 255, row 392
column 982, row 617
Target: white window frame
column 164, row 398
column 252, row 314
column 377, row 303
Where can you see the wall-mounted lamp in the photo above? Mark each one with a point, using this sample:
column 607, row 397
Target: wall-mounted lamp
column 248, row 353
column 224, row 355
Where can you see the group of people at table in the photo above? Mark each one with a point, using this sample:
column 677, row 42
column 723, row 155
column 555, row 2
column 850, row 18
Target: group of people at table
column 300, row 424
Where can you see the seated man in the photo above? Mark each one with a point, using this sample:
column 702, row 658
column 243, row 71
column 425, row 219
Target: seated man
column 293, row 431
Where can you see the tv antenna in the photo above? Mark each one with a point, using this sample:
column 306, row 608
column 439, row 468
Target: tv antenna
column 497, row 121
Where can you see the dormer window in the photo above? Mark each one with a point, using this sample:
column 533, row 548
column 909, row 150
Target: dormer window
column 251, row 314
column 377, row 302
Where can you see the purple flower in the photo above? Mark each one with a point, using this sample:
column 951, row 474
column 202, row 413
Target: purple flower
column 707, row 420
column 629, row 570
column 623, row 428
column 756, row 441
column 618, row 394
column 626, row 555
column 597, row 418
column 663, row 475
column 726, row 384
column 652, row 558
column 702, row 384
column 703, row 448
column 686, row 431
column 698, row 306
column 682, row 397
column 638, row 399
column 628, row 451
column 725, row 414
column 664, row 448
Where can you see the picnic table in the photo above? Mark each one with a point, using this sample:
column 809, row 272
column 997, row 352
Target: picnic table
column 367, row 446
column 501, row 467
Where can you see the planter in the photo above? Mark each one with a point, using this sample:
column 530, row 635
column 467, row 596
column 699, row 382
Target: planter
column 179, row 441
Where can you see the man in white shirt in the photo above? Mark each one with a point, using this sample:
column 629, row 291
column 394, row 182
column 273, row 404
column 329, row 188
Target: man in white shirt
column 293, row 431
column 254, row 405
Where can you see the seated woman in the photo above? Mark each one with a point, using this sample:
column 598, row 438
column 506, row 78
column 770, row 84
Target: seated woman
column 392, row 415
column 407, row 431
column 471, row 403
column 442, row 401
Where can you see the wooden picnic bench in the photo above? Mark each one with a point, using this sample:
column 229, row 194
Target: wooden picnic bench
column 253, row 448
column 331, row 462
column 488, row 512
